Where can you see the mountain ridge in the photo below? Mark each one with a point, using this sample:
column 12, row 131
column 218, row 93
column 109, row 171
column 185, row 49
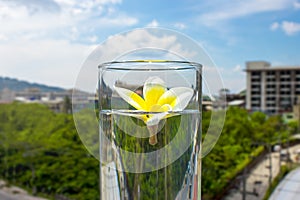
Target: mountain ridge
column 17, row 85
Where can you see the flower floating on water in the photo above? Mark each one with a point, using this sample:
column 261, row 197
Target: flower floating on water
column 157, row 100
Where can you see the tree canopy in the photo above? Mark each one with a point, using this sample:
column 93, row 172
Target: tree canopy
column 41, row 151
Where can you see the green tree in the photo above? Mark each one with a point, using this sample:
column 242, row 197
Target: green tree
column 67, row 105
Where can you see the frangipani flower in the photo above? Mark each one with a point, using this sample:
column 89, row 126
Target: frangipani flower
column 157, row 100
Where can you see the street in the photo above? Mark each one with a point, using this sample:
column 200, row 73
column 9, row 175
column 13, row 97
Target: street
column 257, row 180
column 15, row 193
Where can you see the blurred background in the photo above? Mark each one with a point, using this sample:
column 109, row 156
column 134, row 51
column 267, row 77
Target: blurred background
column 43, row 43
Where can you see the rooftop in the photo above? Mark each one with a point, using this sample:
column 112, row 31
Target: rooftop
column 266, row 66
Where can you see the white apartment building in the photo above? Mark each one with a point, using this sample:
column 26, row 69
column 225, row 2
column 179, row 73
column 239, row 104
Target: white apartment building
column 272, row 90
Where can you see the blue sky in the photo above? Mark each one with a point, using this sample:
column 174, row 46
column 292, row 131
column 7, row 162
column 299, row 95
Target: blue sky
column 47, row 41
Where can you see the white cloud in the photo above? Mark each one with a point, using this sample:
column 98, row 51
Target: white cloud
column 53, row 62
column 18, row 18
column 93, row 38
column 74, row 33
column 138, row 44
column 297, row 5
column 40, row 39
column 153, row 23
column 66, row 2
column 57, row 62
column 236, row 9
column 274, row 26
column 120, row 20
column 237, row 68
column 3, row 37
column 27, row 7
column 290, row 28
column 79, row 2
column 137, row 39
column 180, row 26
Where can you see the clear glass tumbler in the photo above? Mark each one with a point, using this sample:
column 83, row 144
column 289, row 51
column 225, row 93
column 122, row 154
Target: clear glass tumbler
column 150, row 130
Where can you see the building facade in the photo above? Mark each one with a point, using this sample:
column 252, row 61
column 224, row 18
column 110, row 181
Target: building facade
column 272, row 90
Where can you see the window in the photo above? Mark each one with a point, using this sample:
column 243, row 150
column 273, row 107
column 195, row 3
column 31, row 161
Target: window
column 271, row 79
column 285, row 79
column 271, row 86
column 285, row 72
column 255, row 86
column 255, row 99
column 255, row 73
column 255, row 93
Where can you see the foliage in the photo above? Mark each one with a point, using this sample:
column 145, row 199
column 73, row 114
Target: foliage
column 41, row 151
column 242, row 138
column 283, row 172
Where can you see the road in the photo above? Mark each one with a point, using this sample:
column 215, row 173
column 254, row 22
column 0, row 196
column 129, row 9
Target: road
column 15, row 193
column 8, row 196
column 257, row 180
column 289, row 187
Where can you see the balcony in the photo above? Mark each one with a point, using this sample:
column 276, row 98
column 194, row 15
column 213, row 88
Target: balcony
column 256, row 95
column 255, row 76
column 271, row 89
column 270, row 75
column 271, row 94
column 255, row 83
column 285, row 89
column 255, row 102
column 271, row 100
column 271, row 82
column 285, row 76
column 256, row 89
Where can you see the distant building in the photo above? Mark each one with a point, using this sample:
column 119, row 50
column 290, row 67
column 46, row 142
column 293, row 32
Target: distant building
column 54, row 100
column 272, row 90
column 227, row 99
column 207, row 103
column 6, row 96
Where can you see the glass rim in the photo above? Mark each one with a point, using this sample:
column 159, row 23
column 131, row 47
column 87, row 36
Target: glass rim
column 164, row 65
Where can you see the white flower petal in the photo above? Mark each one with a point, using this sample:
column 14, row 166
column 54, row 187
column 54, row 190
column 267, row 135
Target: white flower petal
column 155, row 119
column 183, row 97
column 153, row 89
column 162, row 112
column 154, row 80
column 168, row 97
column 131, row 97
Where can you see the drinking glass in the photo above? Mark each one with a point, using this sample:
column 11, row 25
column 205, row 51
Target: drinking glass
column 150, row 130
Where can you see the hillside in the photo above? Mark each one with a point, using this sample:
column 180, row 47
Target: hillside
column 19, row 85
